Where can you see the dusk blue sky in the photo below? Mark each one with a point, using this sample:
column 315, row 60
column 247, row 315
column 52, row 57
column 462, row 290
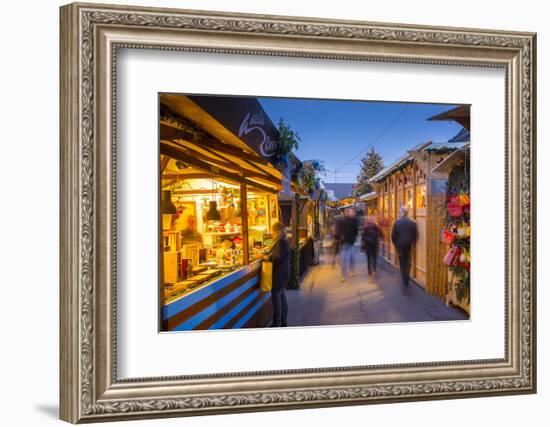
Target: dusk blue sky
column 337, row 131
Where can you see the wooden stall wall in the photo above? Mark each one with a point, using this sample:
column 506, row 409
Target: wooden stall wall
column 405, row 187
column 235, row 301
column 420, row 215
column 436, row 282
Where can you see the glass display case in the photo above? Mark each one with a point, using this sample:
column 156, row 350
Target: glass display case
column 262, row 212
column 205, row 239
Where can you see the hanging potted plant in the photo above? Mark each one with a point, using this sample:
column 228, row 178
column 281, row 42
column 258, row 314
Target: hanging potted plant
column 308, row 181
column 288, row 141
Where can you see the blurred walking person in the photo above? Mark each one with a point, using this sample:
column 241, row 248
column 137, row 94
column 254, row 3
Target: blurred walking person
column 336, row 230
column 404, row 235
column 370, row 242
column 350, row 229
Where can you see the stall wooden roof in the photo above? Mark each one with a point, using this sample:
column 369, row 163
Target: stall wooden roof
column 205, row 149
column 451, row 160
column 407, row 157
column 460, row 114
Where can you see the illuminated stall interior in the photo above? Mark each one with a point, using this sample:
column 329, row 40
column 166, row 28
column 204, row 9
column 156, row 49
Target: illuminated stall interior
column 219, row 199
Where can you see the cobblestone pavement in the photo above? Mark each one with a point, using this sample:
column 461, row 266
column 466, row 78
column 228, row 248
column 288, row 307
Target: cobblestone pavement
column 324, row 300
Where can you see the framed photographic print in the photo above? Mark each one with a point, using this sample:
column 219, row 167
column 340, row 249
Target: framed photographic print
column 267, row 212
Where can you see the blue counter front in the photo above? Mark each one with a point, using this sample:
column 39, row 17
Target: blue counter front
column 231, row 302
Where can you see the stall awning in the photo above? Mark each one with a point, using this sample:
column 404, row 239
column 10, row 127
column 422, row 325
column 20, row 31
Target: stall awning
column 202, row 145
column 369, row 196
column 240, row 121
column 460, row 114
column 445, row 166
column 246, row 119
column 398, row 163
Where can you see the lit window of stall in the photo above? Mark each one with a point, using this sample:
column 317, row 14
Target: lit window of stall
column 203, row 240
column 262, row 210
column 218, row 202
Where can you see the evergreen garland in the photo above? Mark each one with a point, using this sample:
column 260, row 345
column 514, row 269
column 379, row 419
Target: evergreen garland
column 294, row 281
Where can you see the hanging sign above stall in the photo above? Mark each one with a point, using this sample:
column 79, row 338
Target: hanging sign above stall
column 245, row 118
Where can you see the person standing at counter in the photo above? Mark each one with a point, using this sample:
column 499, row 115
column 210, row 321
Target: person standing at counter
column 280, row 257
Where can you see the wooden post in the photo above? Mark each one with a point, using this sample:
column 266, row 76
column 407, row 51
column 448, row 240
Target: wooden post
column 414, row 165
column 387, row 225
column 162, row 326
column 163, row 163
column 403, row 189
column 295, row 264
column 244, row 222
column 387, row 221
column 294, row 220
column 395, row 214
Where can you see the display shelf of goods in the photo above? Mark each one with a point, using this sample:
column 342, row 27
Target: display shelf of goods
column 226, row 233
column 456, row 235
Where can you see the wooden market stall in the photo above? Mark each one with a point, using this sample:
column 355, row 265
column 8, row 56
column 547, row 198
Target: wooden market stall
column 409, row 181
column 370, row 204
column 299, row 214
column 454, row 223
column 219, row 198
column 456, row 228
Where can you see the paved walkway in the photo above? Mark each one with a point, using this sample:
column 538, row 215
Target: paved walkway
column 323, row 300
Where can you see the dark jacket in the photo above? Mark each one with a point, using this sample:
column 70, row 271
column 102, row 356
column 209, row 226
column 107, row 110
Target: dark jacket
column 350, row 228
column 280, row 256
column 370, row 237
column 337, row 223
column 404, row 234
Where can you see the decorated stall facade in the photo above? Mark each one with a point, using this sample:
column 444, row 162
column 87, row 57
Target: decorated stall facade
column 219, row 196
column 455, row 234
column 409, row 181
column 226, row 175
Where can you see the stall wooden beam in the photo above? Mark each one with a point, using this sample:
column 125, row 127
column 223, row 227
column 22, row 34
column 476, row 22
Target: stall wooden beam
column 395, row 215
column 258, row 169
column 189, row 192
column 414, row 261
column 181, row 176
column 218, row 160
column 169, row 132
column 160, row 272
column 244, row 227
column 268, row 180
column 215, row 161
column 253, row 169
column 178, row 154
column 294, row 220
column 163, row 163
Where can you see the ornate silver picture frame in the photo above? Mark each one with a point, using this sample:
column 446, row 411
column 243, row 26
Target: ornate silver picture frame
column 91, row 34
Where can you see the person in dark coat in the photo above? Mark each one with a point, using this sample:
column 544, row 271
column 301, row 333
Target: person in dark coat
column 370, row 242
column 348, row 236
column 280, row 257
column 404, row 235
column 336, row 233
